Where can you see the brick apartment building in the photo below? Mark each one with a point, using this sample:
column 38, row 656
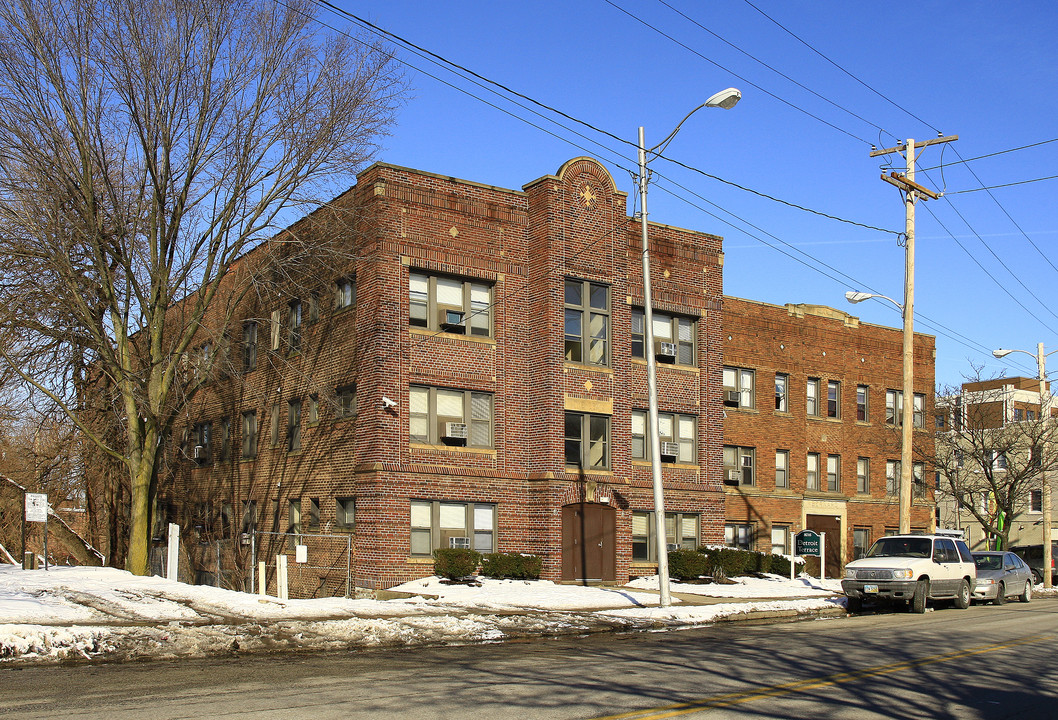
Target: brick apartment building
column 812, row 401
column 473, row 376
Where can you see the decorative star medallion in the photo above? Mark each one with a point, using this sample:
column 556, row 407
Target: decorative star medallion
column 588, row 196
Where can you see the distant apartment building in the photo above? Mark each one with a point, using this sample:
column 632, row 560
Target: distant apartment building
column 812, row 410
column 474, row 375
column 996, row 423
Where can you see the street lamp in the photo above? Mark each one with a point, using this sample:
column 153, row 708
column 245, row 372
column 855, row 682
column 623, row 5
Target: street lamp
column 725, row 100
column 1045, row 493
column 907, row 417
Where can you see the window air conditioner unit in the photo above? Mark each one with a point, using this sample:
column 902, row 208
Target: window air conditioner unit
column 452, row 319
column 670, row 450
column 459, row 542
column 670, row 547
column 245, row 538
column 732, row 477
column 665, row 351
column 199, row 452
column 456, row 431
column 733, row 397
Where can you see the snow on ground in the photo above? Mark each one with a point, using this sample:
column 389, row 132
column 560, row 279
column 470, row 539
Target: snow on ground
column 106, row 614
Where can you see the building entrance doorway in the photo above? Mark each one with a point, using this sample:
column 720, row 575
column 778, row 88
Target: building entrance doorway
column 832, row 551
column 589, row 542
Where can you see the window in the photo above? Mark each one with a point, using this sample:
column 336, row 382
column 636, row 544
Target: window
column 450, row 304
column 894, row 403
column 435, row 524
column 782, row 468
column 673, row 429
column 1036, row 501
column 450, row 417
column 812, row 396
column 918, row 410
column 861, row 403
column 314, row 409
column 293, row 426
column 313, row 307
column 587, row 322
column 738, row 465
column 996, row 459
column 941, row 421
column 812, row 471
column 892, row 476
column 738, row 387
column 224, row 452
column 863, row 475
column 346, row 398
column 918, row 479
column 738, row 535
column 1030, row 415
column 681, row 530
column 861, row 542
column 314, row 513
column 833, row 473
column 588, row 441
column 249, row 517
column 1018, row 414
column 679, row 332
column 201, row 443
column 249, row 434
column 294, row 516
column 249, row 346
column 276, row 329
column 344, row 293
column 344, row 512
column 782, row 383
column 780, row 539
column 294, row 330
column 273, row 421
column 833, row 399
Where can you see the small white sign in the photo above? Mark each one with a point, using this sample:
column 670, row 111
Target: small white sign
column 301, row 553
column 36, row 507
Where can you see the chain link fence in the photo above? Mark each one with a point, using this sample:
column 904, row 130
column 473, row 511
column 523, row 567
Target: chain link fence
column 318, row 564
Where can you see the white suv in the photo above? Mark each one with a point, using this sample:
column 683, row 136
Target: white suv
column 912, row 569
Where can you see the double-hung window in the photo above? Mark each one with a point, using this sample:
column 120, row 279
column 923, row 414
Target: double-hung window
column 892, row 476
column 344, row 293
column 833, row 473
column 782, row 468
column 202, row 443
column 450, row 417
column 450, row 304
column 294, row 329
column 249, row 345
column 345, row 397
column 780, row 539
column 918, row 410
column 738, row 387
column 739, row 465
column 677, row 433
column 437, row 524
column 345, row 512
column 249, row 434
column 812, row 396
column 833, row 399
column 861, row 403
column 894, row 407
column 587, row 322
column 782, row 390
column 739, row 535
column 681, row 531
column 863, row 475
column 293, row 425
column 674, row 337
column 587, row 441
column 812, row 471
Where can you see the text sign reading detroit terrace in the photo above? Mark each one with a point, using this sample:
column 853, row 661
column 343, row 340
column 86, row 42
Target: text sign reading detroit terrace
column 806, row 542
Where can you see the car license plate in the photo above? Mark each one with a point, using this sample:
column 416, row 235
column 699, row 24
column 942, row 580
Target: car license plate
column 870, row 588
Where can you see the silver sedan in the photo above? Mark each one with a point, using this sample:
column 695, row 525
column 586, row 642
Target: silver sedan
column 1001, row 575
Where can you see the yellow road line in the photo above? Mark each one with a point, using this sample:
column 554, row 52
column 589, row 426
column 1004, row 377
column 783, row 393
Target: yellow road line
column 729, row 699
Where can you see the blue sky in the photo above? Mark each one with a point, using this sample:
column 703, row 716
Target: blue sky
column 856, row 74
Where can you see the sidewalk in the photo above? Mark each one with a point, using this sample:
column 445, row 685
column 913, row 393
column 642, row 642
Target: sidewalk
column 107, row 615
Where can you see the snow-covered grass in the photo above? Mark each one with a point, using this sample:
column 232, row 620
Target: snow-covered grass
column 102, row 613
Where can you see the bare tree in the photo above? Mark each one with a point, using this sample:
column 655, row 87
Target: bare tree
column 990, row 454
column 146, row 146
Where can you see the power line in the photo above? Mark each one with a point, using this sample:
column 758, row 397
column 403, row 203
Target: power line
column 994, row 154
column 1004, row 185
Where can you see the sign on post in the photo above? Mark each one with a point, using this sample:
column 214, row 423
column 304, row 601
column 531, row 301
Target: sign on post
column 36, row 507
column 807, row 542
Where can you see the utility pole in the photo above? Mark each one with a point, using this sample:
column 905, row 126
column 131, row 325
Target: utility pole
column 912, row 191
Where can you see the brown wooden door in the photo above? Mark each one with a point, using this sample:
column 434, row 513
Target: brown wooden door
column 832, row 527
column 589, row 547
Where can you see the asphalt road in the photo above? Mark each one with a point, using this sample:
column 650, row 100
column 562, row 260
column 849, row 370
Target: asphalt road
column 985, row 662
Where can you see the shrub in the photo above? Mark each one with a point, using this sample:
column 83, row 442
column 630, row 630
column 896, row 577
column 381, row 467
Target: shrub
column 779, row 564
column 727, row 562
column 511, row 565
column 455, row 563
column 687, row 565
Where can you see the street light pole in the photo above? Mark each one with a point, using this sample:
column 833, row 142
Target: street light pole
column 908, row 392
column 725, row 99
column 1045, row 487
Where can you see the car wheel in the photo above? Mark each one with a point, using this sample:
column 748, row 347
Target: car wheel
column 854, row 604
column 1026, row 594
column 1037, row 577
column 918, row 600
column 962, row 600
column 1001, row 594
